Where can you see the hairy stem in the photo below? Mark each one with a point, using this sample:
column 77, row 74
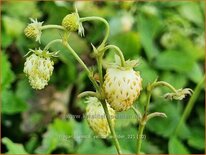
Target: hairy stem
column 163, row 83
column 116, row 142
column 102, row 20
column 53, row 27
column 51, row 43
column 139, row 137
column 90, row 75
column 118, row 52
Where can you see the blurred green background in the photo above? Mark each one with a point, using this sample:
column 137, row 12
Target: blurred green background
column 167, row 36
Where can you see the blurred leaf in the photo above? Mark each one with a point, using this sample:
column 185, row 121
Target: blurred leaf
column 147, row 32
column 13, row 148
column 196, row 73
column 197, row 139
column 55, row 18
column 125, row 118
column 32, row 144
column 65, row 54
column 5, row 39
column 150, row 148
column 176, row 147
column 24, row 90
column 64, row 75
column 11, row 104
column 128, row 42
column 175, row 60
column 192, row 12
column 18, row 10
column 201, row 115
column 147, row 72
column 11, row 30
column 7, row 74
column 59, row 134
column 172, row 79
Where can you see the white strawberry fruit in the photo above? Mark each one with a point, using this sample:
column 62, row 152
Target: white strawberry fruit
column 122, row 87
column 96, row 117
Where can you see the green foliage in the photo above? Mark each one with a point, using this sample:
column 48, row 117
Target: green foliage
column 59, row 134
column 13, row 148
column 176, row 147
column 168, row 37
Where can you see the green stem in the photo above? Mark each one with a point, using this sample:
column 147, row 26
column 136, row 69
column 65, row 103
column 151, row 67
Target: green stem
column 102, row 20
column 88, row 93
column 118, row 52
column 137, row 112
column 190, row 104
column 51, row 43
column 116, row 142
column 90, row 75
column 53, row 27
column 163, row 83
column 143, row 120
column 139, row 137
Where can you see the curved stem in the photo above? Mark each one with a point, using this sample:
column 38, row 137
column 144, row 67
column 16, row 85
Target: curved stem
column 163, row 83
column 53, row 27
column 51, row 43
column 88, row 93
column 190, row 104
column 116, row 142
column 102, row 20
column 137, row 112
column 118, row 52
column 90, row 75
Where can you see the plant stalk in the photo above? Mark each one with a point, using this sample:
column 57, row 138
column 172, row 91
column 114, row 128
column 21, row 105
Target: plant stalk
column 90, row 75
column 139, row 137
column 116, row 142
column 190, row 104
column 84, row 19
column 53, row 27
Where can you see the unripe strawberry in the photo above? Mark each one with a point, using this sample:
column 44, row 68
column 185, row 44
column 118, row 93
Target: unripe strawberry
column 122, row 87
column 96, row 117
column 39, row 67
column 71, row 22
column 33, row 30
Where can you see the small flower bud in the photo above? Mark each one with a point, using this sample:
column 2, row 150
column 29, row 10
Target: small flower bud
column 39, row 67
column 33, row 30
column 71, row 22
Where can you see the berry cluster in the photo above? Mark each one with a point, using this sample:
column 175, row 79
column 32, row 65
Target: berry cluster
column 116, row 91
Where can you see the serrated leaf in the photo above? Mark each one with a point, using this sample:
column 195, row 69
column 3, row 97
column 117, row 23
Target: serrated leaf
column 59, row 134
column 11, row 104
column 175, row 60
column 13, row 148
column 177, row 147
